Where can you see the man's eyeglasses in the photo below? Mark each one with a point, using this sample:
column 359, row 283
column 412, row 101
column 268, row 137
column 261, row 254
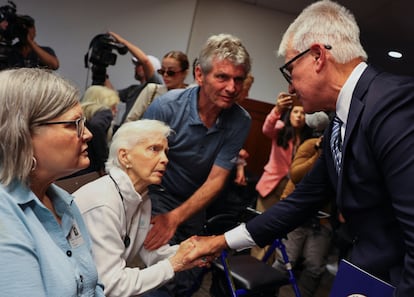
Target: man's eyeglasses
column 80, row 124
column 285, row 68
column 168, row 72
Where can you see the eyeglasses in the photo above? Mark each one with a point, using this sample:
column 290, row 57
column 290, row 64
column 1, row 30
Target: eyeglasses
column 80, row 124
column 284, row 69
column 168, row 72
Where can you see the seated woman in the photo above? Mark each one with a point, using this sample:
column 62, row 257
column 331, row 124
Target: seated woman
column 45, row 249
column 117, row 211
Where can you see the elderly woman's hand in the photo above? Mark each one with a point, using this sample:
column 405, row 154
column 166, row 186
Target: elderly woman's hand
column 205, row 248
column 177, row 261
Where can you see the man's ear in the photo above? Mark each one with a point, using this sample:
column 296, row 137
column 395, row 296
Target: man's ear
column 198, row 75
column 318, row 52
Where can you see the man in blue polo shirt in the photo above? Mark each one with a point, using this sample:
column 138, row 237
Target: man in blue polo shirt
column 210, row 129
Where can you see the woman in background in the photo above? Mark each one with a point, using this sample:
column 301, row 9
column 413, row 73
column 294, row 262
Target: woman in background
column 45, row 249
column 99, row 105
column 174, row 70
column 286, row 127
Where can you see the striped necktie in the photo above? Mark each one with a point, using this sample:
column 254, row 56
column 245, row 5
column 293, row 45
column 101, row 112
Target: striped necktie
column 336, row 145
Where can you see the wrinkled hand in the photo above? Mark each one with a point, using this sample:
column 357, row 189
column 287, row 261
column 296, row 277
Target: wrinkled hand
column 177, row 261
column 163, row 229
column 205, row 248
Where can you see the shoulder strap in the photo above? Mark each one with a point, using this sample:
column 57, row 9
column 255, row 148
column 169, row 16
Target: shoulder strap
column 153, row 94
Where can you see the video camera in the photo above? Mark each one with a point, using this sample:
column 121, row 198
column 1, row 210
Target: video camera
column 18, row 24
column 17, row 28
column 101, row 57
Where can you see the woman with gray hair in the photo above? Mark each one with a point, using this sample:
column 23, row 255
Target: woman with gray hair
column 44, row 244
column 117, row 211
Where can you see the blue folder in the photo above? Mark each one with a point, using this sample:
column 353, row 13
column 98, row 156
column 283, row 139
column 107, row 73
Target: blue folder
column 351, row 280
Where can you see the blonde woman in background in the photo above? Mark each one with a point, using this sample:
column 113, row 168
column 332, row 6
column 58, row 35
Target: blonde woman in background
column 99, row 106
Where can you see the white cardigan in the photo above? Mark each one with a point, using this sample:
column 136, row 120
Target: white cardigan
column 108, row 221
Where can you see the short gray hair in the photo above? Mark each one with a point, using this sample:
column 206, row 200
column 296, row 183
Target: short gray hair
column 328, row 23
column 224, row 47
column 28, row 96
column 132, row 133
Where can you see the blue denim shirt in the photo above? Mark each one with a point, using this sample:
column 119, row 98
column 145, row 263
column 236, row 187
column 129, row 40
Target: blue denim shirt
column 38, row 256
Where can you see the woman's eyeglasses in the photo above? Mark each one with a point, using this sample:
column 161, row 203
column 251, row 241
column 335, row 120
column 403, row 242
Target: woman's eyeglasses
column 80, row 124
column 168, row 72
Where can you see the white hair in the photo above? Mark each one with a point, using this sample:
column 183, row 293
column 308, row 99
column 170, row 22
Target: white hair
column 132, row 133
column 328, row 23
column 317, row 120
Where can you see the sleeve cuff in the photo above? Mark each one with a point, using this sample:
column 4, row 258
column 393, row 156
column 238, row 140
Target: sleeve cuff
column 239, row 238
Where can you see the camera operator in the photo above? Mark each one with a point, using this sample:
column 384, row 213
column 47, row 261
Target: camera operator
column 145, row 71
column 27, row 53
column 4, row 48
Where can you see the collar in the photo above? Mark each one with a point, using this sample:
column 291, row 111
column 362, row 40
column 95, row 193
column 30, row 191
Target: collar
column 195, row 117
column 343, row 103
column 130, row 196
column 24, row 195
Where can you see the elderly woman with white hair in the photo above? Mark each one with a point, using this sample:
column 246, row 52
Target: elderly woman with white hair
column 117, row 211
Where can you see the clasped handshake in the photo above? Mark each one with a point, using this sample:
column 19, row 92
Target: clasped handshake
column 197, row 251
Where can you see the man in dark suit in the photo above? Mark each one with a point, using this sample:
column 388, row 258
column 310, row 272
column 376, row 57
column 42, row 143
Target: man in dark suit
column 373, row 178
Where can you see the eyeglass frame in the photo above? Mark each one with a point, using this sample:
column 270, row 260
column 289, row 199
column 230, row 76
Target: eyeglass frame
column 80, row 129
column 169, row 73
column 286, row 73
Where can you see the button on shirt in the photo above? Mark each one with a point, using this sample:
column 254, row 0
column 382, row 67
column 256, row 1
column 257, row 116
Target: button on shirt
column 39, row 257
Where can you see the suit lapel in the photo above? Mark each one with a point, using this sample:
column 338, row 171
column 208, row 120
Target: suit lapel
column 355, row 112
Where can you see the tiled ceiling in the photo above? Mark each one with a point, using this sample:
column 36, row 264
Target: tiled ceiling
column 385, row 25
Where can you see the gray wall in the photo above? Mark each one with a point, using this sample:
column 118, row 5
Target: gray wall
column 158, row 26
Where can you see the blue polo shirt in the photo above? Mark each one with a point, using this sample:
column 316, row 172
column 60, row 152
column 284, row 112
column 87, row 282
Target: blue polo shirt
column 194, row 148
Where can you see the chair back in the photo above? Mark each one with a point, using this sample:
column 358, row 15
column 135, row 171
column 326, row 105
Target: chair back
column 71, row 184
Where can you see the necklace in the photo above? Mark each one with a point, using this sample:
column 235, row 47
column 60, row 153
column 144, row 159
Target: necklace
column 127, row 239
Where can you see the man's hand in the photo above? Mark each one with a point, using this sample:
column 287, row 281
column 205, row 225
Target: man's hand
column 163, row 229
column 205, row 247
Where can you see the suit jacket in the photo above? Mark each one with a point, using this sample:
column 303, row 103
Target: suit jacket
column 375, row 189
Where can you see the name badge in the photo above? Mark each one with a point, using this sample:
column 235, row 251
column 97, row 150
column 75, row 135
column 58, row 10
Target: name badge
column 75, row 237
